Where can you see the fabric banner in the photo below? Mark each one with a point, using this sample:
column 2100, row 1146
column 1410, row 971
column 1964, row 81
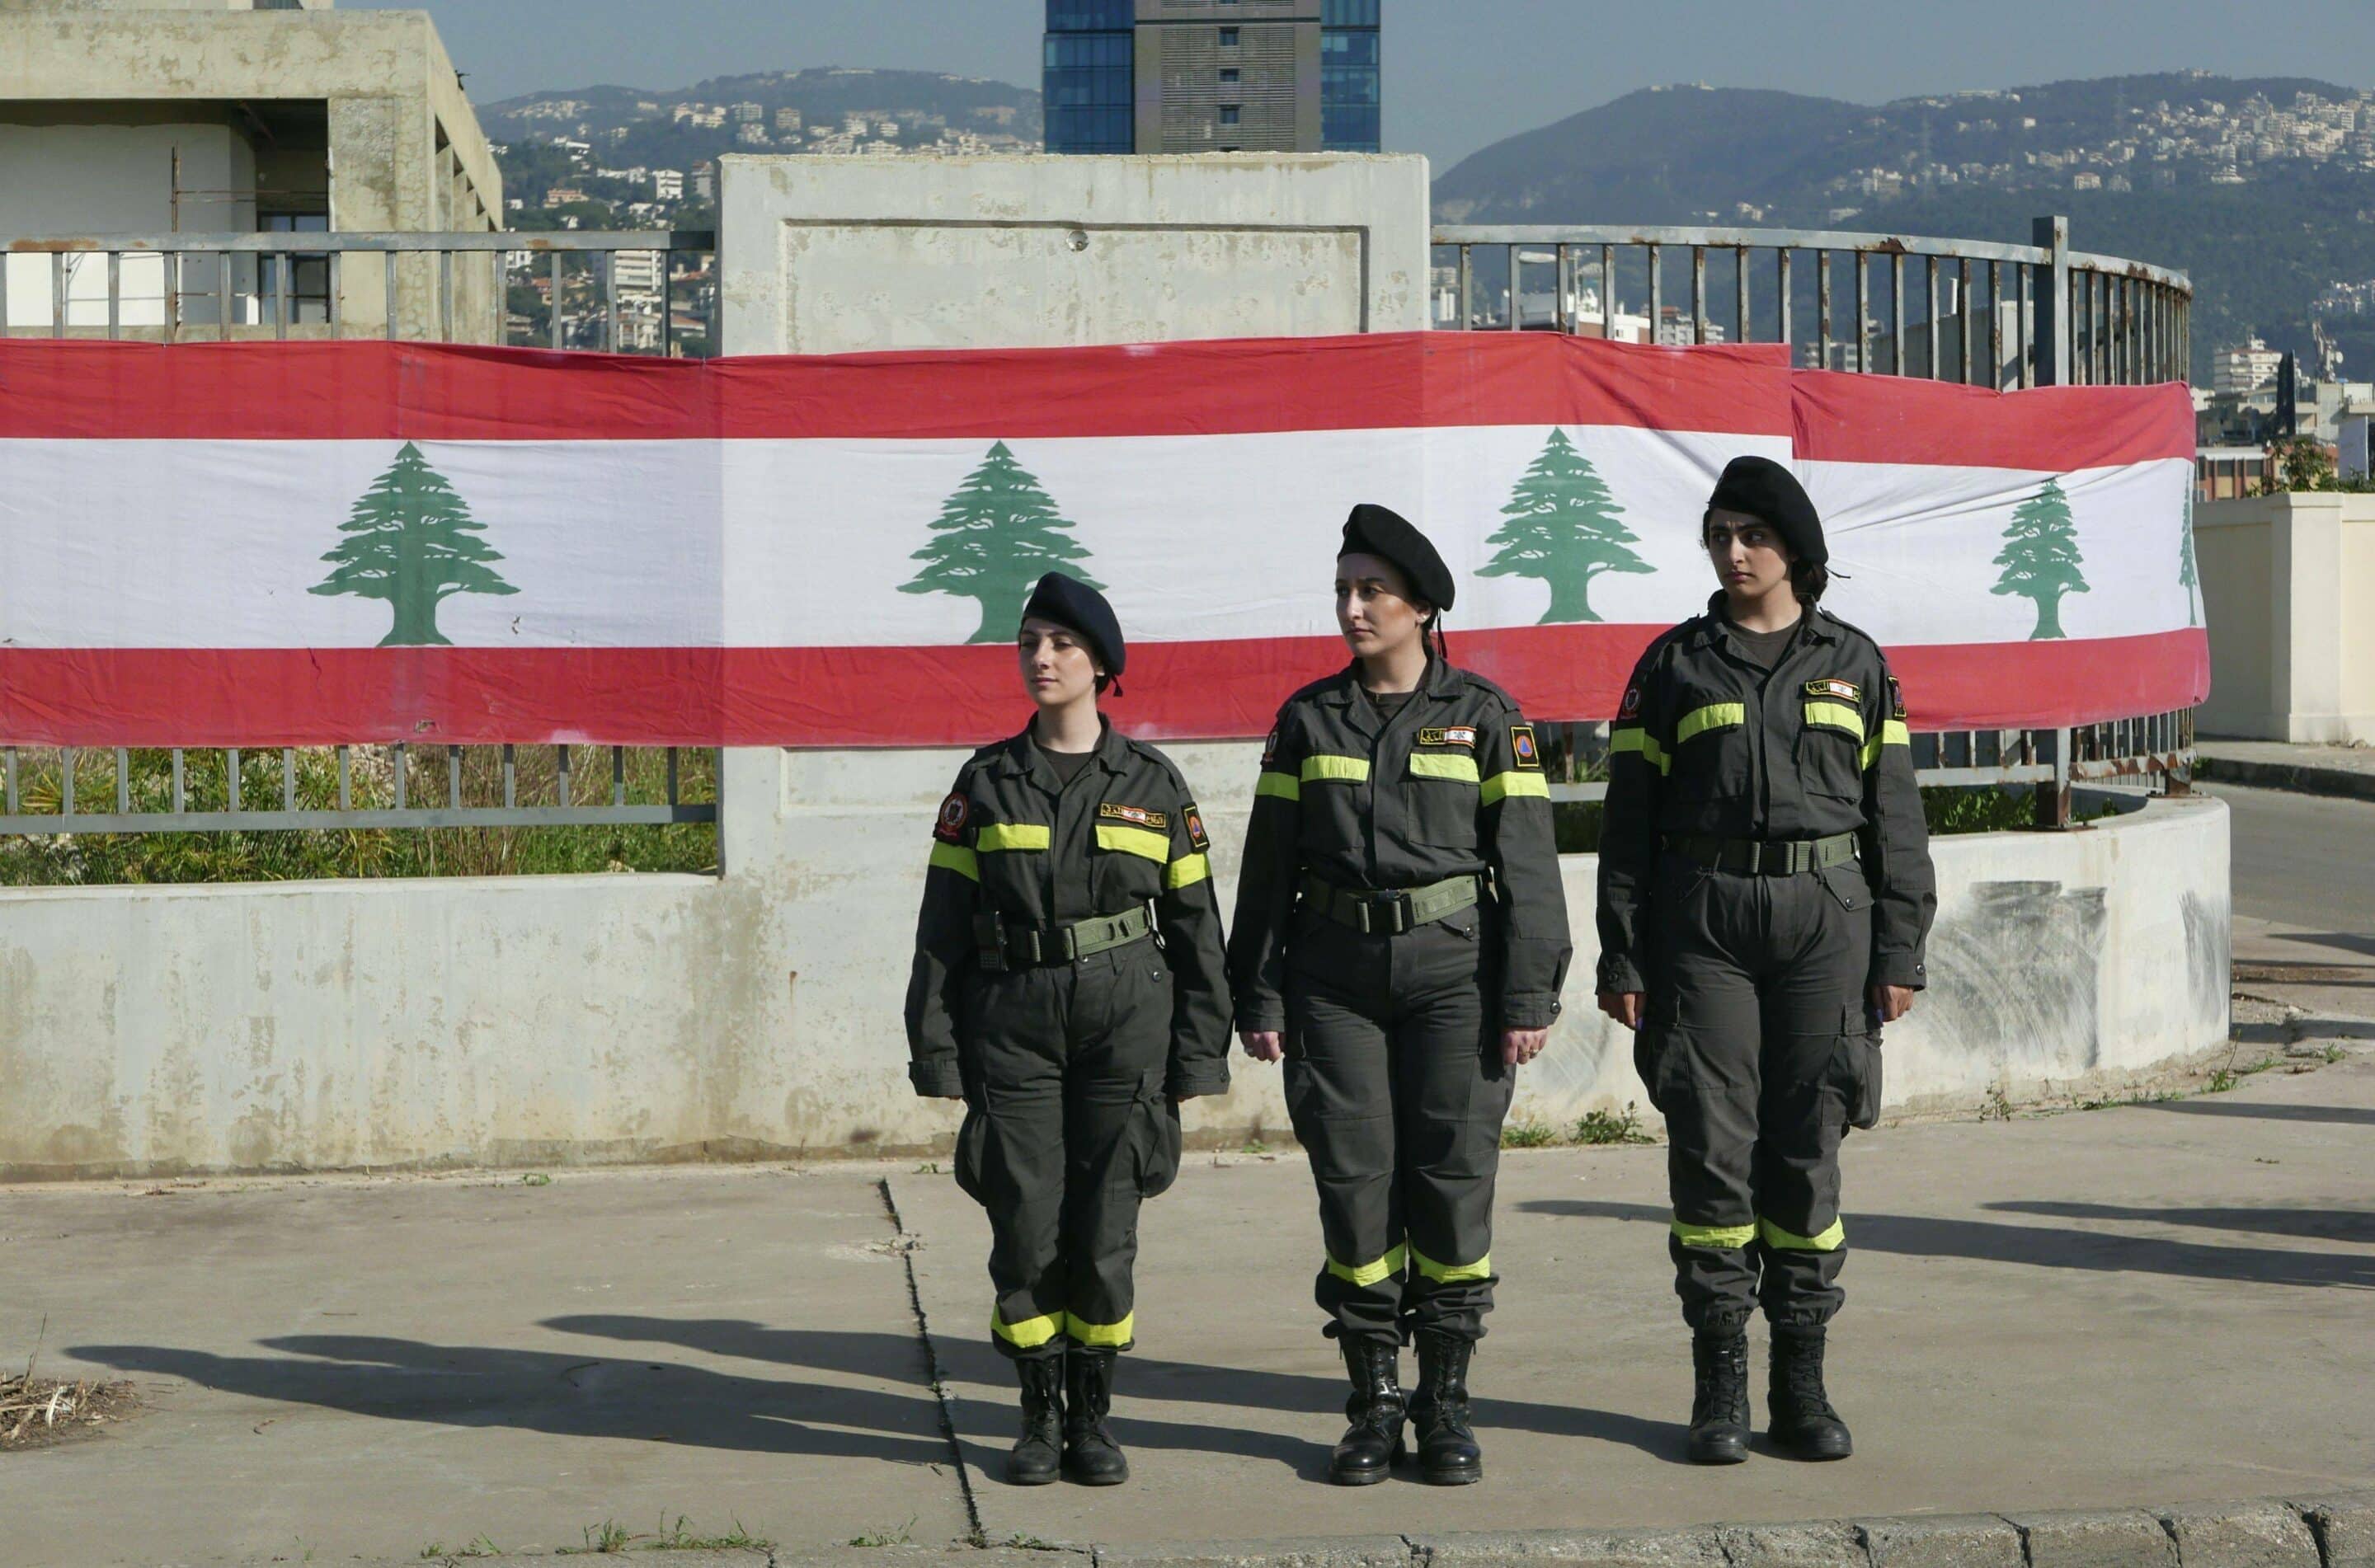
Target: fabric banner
column 297, row 544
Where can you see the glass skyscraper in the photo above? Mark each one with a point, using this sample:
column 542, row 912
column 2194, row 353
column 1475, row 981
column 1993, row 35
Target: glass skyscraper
column 1213, row 75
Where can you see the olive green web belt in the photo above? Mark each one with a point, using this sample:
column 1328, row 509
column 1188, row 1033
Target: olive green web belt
column 1005, row 946
column 1764, row 857
column 1389, row 912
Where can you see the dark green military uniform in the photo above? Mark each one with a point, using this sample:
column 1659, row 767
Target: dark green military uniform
column 1400, row 906
column 1764, row 862
column 1068, row 980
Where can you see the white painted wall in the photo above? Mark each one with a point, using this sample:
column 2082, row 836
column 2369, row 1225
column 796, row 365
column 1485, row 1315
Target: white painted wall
column 2285, row 580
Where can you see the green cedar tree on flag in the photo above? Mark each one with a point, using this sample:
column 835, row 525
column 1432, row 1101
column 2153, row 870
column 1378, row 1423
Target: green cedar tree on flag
column 2186, row 575
column 1563, row 526
column 411, row 541
column 2040, row 556
column 994, row 538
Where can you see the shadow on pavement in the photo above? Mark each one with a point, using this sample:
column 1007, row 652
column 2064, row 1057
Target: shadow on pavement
column 569, row 1395
column 2310, row 1224
column 1320, row 1399
column 2354, row 1115
column 2045, row 1247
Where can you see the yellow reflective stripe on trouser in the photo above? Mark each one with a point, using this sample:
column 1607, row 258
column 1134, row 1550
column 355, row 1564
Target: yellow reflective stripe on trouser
column 1714, row 1236
column 1143, row 841
column 1369, row 1273
column 1285, row 786
column 1834, row 1236
column 1187, row 871
column 1636, row 739
column 1082, row 1332
column 1715, row 715
column 1836, row 715
column 957, row 858
column 1892, row 733
column 1029, row 1334
column 1503, row 786
column 1324, row 769
column 997, row 836
column 1436, row 765
column 1452, row 1273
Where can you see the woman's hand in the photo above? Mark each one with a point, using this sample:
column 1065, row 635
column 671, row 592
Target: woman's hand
column 1625, row 1007
column 1520, row 1046
column 1892, row 1002
column 1263, row 1045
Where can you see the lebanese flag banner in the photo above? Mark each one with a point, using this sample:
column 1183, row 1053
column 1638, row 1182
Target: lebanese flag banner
column 2026, row 558
column 296, row 544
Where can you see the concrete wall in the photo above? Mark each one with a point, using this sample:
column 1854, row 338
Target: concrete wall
column 585, row 1020
column 406, row 147
column 2285, row 580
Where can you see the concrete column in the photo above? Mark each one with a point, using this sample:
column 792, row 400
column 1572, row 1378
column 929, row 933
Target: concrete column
column 2308, row 617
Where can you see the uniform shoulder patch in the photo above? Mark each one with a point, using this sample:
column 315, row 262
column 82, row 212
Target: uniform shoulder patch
column 1193, row 821
column 1138, row 816
column 1270, row 748
column 1832, row 686
column 1522, row 745
column 1895, row 700
column 1631, row 707
column 1449, row 734
column 955, row 812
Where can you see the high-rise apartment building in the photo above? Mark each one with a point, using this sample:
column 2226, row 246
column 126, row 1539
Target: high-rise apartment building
column 1213, row 75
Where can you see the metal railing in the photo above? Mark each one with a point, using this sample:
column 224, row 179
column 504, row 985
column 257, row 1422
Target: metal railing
column 448, row 287
column 1973, row 312
column 131, row 804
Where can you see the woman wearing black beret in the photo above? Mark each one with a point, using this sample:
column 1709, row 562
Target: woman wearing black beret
column 1068, row 986
column 1400, row 942
column 1764, row 892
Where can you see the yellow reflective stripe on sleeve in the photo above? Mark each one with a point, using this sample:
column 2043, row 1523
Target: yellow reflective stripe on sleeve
column 1836, row 715
column 1714, row 1236
column 1144, row 842
column 1642, row 744
column 1284, row 787
column 1029, row 1334
column 1715, row 715
column 1892, row 733
column 997, row 836
column 1325, row 768
column 1452, row 1273
column 1082, row 1332
column 1501, row 786
column 1187, row 871
column 1436, row 765
column 1369, row 1273
column 957, row 858
column 1831, row 1240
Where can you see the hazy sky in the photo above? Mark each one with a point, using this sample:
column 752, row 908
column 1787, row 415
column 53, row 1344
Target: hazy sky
column 1460, row 74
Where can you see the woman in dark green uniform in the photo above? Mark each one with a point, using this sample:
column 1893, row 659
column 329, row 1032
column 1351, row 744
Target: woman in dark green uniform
column 1400, row 937
column 1764, row 892
column 1068, row 986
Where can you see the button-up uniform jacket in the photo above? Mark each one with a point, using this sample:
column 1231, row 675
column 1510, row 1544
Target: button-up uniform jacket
column 1706, row 743
column 1013, row 838
column 1451, row 785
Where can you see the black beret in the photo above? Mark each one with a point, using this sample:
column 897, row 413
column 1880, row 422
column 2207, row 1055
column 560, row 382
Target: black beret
column 1386, row 533
column 1073, row 604
column 1770, row 493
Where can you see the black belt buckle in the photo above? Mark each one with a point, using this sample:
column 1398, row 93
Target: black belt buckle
column 1373, row 904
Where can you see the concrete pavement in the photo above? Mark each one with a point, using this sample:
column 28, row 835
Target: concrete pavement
column 2158, row 1305
column 2275, row 764
column 2304, row 897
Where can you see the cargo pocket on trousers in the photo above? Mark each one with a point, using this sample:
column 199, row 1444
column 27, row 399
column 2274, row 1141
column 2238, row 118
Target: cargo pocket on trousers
column 1654, row 1060
column 972, row 1139
column 1856, row 1069
column 1158, row 1139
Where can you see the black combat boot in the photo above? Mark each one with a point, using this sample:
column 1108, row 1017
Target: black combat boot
column 1039, row 1454
column 1719, row 1396
column 1447, row 1454
column 1376, row 1409
column 1802, row 1421
column 1091, row 1456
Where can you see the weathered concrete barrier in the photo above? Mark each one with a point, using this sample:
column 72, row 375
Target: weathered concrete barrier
column 588, row 1020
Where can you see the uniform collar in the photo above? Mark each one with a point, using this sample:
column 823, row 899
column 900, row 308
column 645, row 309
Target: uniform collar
column 1817, row 623
column 1020, row 757
column 1344, row 694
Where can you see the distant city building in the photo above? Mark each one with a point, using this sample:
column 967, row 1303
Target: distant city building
column 667, row 184
column 1213, row 75
column 2244, row 369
